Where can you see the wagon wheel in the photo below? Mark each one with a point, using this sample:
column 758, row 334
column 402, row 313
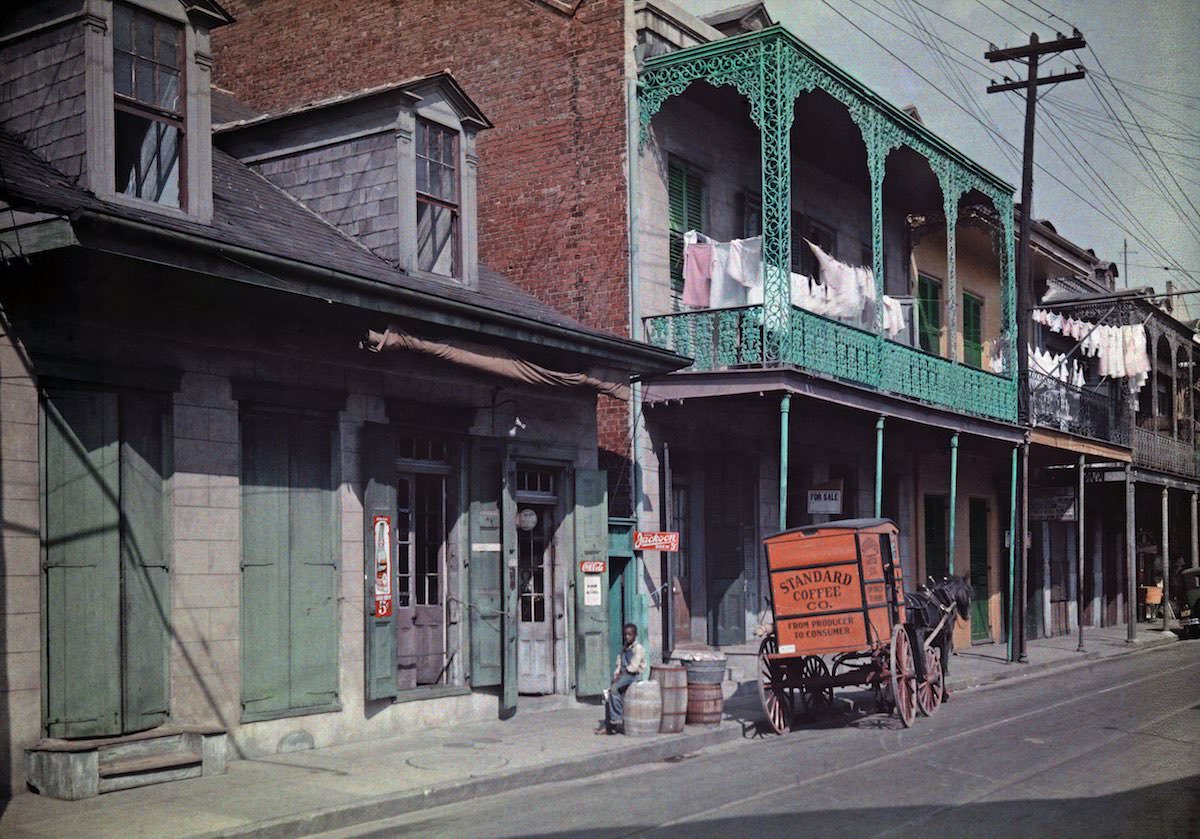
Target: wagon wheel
column 929, row 692
column 903, row 676
column 776, row 700
column 816, row 700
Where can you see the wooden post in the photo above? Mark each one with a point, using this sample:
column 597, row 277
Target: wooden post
column 1130, row 557
column 1079, row 539
column 785, row 407
column 1166, row 560
column 1022, row 586
column 953, row 501
column 1195, row 533
column 1012, row 550
column 879, row 466
column 668, row 564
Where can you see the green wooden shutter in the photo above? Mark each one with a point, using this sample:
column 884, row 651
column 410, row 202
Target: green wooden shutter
column 508, row 585
column 591, row 622
column 146, row 590
column 483, row 572
column 82, row 577
column 685, row 211
column 313, row 577
column 379, row 499
column 972, row 330
column 929, row 302
column 265, row 546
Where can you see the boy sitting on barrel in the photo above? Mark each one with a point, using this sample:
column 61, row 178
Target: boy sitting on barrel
column 631, row 662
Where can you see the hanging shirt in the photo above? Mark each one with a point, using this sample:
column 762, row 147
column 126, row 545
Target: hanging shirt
column 697, row 274
column 724, row 291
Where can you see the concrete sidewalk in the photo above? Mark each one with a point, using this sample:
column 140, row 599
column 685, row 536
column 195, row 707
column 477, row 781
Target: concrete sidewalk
column 324, row 789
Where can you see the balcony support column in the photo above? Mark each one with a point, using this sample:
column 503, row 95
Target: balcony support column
column 878, row 147
column 1079, row 539
column 1012, row 550
column 785, row 407
column 1130, row 557
column 953, row 502
column 879, row 466
column 1166, row 560
column 777, row 110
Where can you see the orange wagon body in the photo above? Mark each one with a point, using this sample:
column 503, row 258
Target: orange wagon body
column 836, row 587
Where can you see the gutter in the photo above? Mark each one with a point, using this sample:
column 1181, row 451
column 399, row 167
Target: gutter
column 642, row 358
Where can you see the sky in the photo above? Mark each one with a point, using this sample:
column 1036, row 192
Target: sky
column 1116, row 160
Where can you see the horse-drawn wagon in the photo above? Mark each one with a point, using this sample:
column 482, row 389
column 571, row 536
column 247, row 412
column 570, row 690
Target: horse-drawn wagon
column 837, row 590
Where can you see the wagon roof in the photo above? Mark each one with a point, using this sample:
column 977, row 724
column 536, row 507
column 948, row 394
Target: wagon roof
column 844, row 524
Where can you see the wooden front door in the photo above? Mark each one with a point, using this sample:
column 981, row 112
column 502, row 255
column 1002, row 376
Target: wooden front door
column 421, row 575
column 729, row 527
column 981, row 629
column 106, row 589
column 537, row 524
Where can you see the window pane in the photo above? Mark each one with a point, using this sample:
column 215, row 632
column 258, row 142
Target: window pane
column 168, row 90
column 168, row 46
column 123, row 74
column 123, row 28
column 436, row 231
column 143, row 35
column 144, row 81
column 422, row 175
column 147, row 159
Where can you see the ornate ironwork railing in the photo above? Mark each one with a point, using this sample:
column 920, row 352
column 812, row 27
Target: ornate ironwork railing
column 1157, row 451
column 723, row 339
column 1088, row 413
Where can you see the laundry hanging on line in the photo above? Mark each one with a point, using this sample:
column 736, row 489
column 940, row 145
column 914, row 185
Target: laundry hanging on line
column 1121, row 351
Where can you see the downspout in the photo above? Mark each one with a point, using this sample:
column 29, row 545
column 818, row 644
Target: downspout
column 879, row 466
column 953, row 501
column 635, row 399
column 1012, row 547
column 785, row 407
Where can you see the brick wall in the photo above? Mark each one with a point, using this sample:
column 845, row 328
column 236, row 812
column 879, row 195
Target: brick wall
column 552, row 199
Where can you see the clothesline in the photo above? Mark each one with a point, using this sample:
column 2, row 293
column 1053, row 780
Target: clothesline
column 719, row 275
column 1121, row 351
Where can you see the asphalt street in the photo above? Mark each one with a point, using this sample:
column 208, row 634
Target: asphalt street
column 1109, row 749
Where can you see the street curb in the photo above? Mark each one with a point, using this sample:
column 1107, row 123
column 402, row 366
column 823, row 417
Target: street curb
column 1015, row 671
column 391, row 805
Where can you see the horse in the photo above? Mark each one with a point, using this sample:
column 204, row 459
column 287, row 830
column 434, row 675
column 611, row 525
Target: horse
column 935, row 608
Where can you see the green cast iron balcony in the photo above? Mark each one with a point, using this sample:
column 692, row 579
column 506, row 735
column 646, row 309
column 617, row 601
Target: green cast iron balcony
column 729, row 339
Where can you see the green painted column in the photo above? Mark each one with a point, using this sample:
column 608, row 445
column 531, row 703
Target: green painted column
column 953, row 501
column 785, row 407
column 776, row 113
column 879, row 466
column 1012, row 549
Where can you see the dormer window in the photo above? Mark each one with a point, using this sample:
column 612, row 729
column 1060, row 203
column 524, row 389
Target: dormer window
column 148, row 90
column 437, row 199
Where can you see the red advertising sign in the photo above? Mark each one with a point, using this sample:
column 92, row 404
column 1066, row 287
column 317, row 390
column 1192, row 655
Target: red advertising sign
column 592, row 566
column 382, row 527
column 651, row 540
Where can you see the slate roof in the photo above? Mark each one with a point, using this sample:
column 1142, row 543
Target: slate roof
column 228, row 108
column 251, row 212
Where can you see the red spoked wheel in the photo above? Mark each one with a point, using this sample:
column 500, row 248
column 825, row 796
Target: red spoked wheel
column 929, row 692
column 816, row 699
column 776, row 699
column 903, row 676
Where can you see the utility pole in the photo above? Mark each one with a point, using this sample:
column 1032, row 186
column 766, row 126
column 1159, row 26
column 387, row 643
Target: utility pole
column 1030, row 55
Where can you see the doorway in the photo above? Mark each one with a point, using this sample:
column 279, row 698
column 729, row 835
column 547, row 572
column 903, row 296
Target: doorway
column 977, row 537
column 729, row 529
column 537, row 524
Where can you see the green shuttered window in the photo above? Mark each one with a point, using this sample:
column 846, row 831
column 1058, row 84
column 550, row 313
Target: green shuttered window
column 972, row 309
column 929, row 304
column 289, row 565
column 685, row 199
column 106, row 583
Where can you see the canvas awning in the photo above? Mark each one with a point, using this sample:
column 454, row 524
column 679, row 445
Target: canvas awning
column 493, row 360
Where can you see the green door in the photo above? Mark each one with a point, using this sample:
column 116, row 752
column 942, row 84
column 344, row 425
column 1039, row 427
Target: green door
column 107, row 603
column 729, row 525
column 978, row 536
column 290, row 626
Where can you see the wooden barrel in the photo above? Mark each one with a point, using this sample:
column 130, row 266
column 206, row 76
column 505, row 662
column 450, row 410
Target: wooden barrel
column 673, row 678
column 643, row 709
column 706, row 671
column 704, row 704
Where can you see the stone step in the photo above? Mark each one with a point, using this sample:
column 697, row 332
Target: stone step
column 152, row 769
column 169, row 744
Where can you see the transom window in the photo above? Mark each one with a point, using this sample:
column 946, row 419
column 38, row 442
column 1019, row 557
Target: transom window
column 148, row 93
column 429, row 449
column 536, row 482
column 437, row 199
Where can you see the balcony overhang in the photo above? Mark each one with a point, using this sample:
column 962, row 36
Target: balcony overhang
column 683, row 386
column 1079, row 445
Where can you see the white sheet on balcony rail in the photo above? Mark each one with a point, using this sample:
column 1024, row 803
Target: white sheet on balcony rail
column 1121, row 351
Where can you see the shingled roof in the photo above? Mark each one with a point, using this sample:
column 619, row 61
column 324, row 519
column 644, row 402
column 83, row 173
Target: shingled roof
column 250, row 212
